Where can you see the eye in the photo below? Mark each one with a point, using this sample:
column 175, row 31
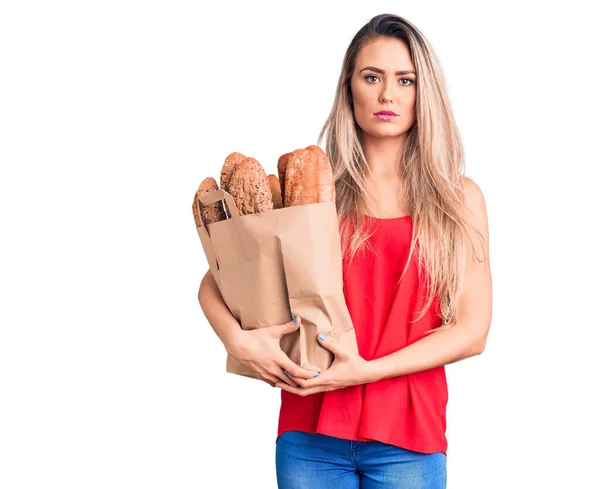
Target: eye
column 409, row 81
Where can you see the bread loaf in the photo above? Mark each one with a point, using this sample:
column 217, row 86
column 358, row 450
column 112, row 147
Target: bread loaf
column 275, row 187
column 326, row 187
column 209, row 213
column 301, row 178
column 305, row 177
column 231, row 163
column 281, row 165
column 250, row 188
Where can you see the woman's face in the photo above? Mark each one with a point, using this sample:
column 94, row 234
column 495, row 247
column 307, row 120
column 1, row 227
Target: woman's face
column 376, row 86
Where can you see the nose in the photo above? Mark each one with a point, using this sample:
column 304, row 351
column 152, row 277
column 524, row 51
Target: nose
column 386, row 96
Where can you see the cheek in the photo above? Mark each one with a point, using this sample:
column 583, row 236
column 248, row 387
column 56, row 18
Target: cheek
column 361, row 105
column 358, row 94
column 408, row 105
column 360, row 99
column 411, row 100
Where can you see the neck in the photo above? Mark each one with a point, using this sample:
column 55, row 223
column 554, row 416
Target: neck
column 384, row 182
column 382, row 158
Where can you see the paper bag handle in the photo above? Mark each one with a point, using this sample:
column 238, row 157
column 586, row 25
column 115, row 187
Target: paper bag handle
column 210, row 198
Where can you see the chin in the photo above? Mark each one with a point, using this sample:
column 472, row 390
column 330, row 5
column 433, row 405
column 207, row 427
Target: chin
column 388, row 132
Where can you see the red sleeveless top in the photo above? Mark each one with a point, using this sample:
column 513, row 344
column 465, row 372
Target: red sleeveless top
column 408, row 411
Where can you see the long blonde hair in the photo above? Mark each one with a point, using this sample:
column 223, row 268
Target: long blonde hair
column 430, row 163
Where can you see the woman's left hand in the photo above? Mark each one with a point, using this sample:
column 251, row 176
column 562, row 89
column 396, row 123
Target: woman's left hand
column 348, row 368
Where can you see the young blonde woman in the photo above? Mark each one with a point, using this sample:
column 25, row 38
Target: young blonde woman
column 416, row 280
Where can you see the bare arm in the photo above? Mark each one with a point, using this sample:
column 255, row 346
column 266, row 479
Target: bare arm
column 257, row 349
column 225, row 325
column 466, row 337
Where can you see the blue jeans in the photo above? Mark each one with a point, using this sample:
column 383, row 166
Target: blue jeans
column 316, row 461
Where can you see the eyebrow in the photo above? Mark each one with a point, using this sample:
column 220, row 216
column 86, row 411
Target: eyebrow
column 379, row 70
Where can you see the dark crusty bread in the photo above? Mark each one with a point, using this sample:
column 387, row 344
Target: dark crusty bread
column 212, row 212
column 229, row 166
column 302, row 178
column 250, row 188
column 275, row 187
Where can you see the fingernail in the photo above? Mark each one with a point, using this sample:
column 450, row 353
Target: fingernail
column 278, row 386
column 322, row 337
column 295, row 320
column 316, row 373
column 286, row 374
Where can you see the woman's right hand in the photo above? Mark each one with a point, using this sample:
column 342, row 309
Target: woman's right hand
column 259, row 350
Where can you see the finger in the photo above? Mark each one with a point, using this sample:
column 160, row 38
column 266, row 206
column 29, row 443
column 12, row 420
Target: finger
column 291, row 368
column 269, row 378
column 287, row 328
column 301, row 383
column 320, row 381
column 331, row 344
column 298, row 380
column 288, row 380
column 280, row 376
column 300, row 391
column 295, row 379
column 294, row 390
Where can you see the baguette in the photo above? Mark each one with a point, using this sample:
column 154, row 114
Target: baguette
column 302, row 178
column 249, row 187
column 281, row 166
column 209, row 213
column 275, row 187
column 326, row 188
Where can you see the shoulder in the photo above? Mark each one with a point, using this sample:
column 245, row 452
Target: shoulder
column 475, row 206
column 472, row 196
column 474, row 202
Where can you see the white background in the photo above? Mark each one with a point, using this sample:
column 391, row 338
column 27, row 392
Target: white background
column 113, row 112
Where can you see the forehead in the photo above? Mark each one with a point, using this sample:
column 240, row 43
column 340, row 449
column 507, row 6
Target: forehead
column 389, row 54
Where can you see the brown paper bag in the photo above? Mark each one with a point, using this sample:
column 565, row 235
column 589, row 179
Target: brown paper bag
column 278, row 264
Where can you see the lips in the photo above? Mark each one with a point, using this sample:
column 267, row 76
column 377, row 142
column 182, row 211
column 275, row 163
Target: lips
column 386, row 115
